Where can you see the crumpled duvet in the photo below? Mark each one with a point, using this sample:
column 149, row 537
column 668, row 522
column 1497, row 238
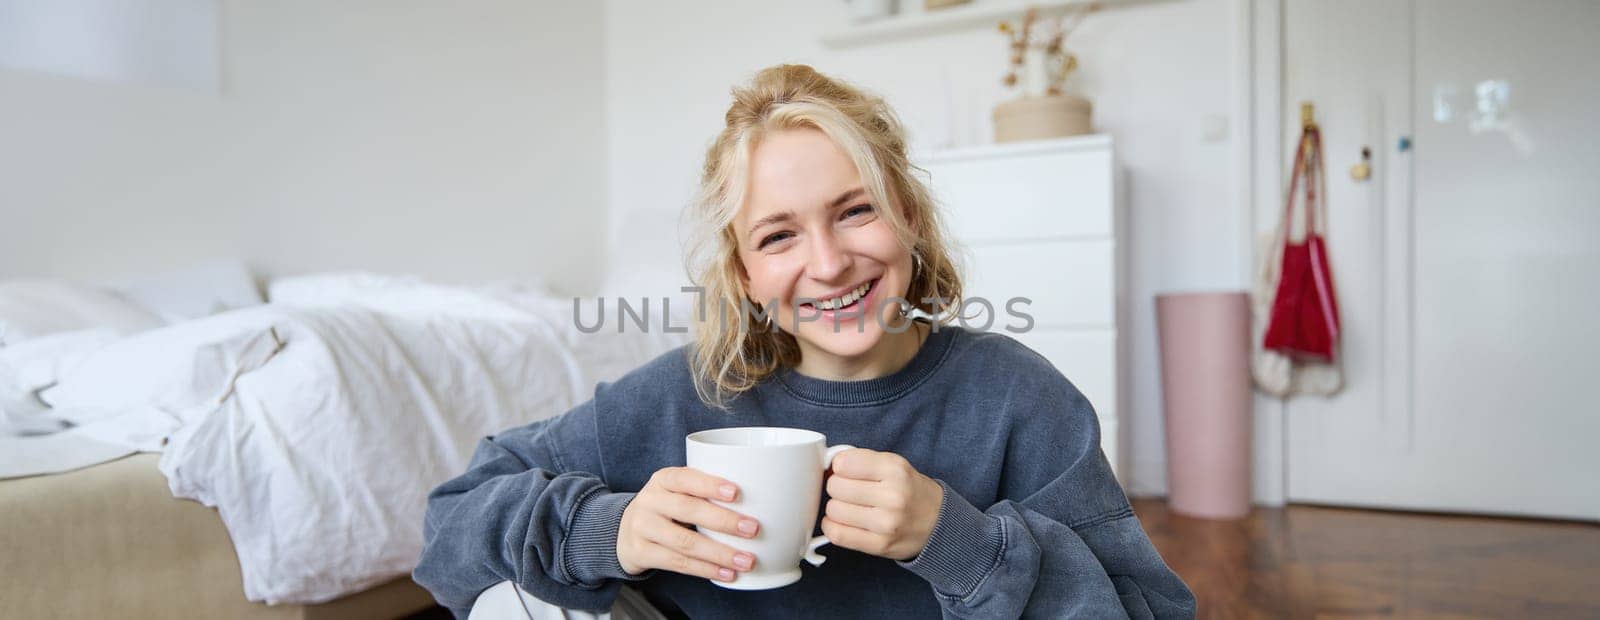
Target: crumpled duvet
column 317, row 430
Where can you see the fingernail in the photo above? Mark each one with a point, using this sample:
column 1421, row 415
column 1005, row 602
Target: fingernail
column 747, row 526
column 743, row 561
column 728, row 491
column 725, row 574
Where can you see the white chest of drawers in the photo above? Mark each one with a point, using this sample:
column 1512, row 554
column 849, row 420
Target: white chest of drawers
column 1041, row 220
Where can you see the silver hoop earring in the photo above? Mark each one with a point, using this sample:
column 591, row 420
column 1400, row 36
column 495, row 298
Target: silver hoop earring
column 916, row 263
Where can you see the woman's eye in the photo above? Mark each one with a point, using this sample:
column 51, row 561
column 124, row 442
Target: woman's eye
column 771, row 239
column 858, row 210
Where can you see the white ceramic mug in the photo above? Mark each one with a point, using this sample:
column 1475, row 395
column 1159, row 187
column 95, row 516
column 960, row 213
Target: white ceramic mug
column 779, row 475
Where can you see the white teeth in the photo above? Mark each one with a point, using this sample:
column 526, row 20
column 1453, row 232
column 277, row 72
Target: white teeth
column 848, row 299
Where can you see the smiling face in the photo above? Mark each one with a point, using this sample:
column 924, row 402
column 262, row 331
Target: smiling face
column 811, row 237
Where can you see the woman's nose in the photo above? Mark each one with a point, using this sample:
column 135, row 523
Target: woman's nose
column 829, row 260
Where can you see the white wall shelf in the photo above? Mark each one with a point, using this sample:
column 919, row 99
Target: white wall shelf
column 921, row 23
column 1094, row 141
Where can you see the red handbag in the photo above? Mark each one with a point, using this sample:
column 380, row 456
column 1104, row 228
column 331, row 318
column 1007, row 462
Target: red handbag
column 1305, row 314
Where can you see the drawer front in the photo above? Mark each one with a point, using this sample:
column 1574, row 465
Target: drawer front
column 1087, row 358
column 1069, row 283
column 1030, row 196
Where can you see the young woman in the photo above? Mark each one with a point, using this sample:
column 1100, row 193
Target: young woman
column 978, row 489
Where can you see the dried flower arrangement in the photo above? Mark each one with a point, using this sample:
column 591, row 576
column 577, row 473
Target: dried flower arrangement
column 1058, row 63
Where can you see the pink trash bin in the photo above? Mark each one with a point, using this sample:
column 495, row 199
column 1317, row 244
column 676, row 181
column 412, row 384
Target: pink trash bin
column 1205, row 388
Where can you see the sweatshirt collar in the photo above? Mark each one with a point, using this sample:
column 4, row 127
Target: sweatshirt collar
column 868, row 392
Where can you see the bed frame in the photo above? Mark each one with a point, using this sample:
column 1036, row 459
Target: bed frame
column 111, row 540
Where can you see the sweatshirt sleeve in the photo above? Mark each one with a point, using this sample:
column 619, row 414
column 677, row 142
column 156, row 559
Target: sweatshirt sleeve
column 523, row 513
column 1062, row 543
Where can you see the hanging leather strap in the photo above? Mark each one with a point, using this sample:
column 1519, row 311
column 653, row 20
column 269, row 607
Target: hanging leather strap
column 1308, row 164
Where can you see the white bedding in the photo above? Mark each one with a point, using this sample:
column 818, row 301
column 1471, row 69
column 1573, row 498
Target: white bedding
column 317, row 423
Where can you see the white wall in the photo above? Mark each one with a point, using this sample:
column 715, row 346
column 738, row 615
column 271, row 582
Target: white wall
column 454, row 140
column 463, row 141
column 1159, row 73
column 163, row 42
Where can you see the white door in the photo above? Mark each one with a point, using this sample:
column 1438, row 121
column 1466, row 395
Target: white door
column 1468, row 266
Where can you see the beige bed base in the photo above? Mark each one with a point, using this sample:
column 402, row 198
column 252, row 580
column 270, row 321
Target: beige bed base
column 111, row 541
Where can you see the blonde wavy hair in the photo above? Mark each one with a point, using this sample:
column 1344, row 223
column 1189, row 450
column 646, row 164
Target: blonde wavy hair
column 729, row 355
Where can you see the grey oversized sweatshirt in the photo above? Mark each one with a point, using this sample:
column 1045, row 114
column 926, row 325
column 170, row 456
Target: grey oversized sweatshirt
column 1032, row 523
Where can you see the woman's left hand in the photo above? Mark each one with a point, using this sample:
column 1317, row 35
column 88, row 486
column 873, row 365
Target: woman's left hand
column 880, row 505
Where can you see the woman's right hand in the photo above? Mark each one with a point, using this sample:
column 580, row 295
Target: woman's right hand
column 657, row 527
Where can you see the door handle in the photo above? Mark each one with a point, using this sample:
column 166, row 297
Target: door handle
column 1363, row 170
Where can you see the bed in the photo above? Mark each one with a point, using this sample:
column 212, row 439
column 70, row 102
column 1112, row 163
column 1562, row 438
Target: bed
column 273, row 460
column 110, row 540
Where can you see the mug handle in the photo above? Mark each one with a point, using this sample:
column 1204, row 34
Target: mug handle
column 816, row 559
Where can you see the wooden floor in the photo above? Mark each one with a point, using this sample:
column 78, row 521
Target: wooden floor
column 1316, row 562
column 1313, row 562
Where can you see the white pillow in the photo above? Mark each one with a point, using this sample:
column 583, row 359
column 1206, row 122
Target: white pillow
column 195, row 291
column 34, row 307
